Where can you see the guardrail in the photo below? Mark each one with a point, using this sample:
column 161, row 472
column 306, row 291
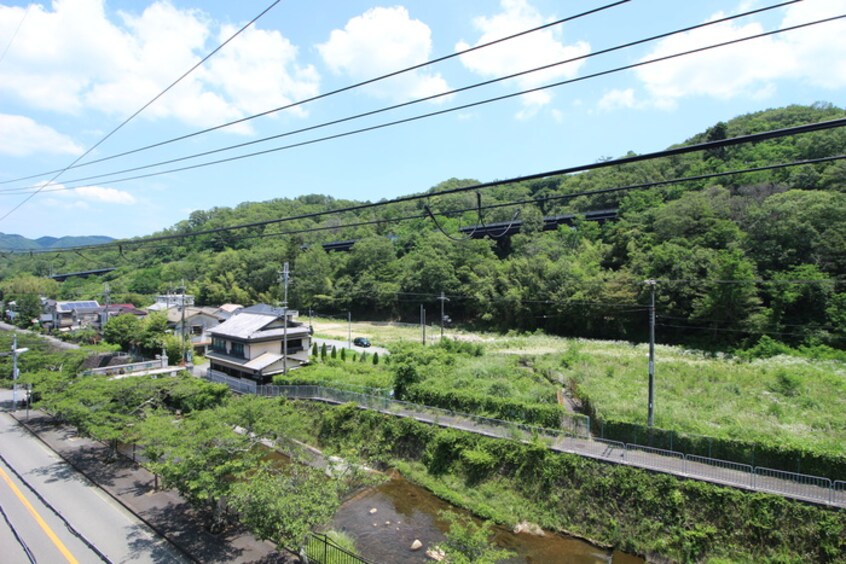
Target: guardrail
column 797, row 485
column 577, row 425
column 127, row 368
column 575, row 439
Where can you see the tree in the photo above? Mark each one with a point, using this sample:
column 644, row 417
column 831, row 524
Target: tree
column 125, row 330
column 283, row 506
column 799, row 226
column 204, row 461
column 18, row 286
column 469, row 543
column 153, row 332
column 29, row 310
column 728, row 304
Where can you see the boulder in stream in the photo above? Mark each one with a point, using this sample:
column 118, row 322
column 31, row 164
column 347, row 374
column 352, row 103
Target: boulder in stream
column 435, row 553
column 528, row 528
column 416, row 545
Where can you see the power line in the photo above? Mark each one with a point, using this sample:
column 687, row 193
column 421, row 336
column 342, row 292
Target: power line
column 812, row 324
column 14, row 35
column 141, row 109
column 360, row 207
column 353, row 86
column 412, row 118
column 810, row 281
column 726, row 330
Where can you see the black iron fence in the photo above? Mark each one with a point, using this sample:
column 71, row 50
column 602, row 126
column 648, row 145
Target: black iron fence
column 322, row 549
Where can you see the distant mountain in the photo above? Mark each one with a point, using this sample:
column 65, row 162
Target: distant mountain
column 11, row 242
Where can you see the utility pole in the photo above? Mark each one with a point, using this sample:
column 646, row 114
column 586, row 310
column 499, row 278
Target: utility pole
column 107, row 295
column 284, row 280
column 15, row 352
column 650, row 418
column 423, row 323
column 184, row 350
column 443, row 299
column 349, row 330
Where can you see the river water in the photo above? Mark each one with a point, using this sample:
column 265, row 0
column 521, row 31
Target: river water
column 405, row 513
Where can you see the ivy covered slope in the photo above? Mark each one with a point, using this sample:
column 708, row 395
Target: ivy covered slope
column 760, row 233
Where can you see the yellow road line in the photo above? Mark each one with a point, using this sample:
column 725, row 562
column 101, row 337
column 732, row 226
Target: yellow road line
column 47, row 530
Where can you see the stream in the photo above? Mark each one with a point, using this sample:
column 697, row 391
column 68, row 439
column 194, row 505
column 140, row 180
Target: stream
column 406, row 512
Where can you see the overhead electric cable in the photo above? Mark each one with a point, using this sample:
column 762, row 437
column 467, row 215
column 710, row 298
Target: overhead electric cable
column 750, row 138
column 727, row 330
column 813, row 325
column 141, row 109
column 427, row 98
column 12, row 40
column 349, row 87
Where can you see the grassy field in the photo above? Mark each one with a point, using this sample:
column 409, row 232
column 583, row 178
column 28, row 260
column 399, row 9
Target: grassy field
column 787, row 401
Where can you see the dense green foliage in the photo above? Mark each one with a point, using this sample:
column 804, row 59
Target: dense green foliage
column 201, row 441
column 627, row 508
column 780, row 226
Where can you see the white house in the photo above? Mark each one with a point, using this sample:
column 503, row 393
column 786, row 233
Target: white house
column 251, row 344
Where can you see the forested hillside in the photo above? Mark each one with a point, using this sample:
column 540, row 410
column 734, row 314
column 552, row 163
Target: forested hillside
column 736, row 256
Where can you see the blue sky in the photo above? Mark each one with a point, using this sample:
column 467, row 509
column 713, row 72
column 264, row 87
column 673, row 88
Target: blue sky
column 72, row 70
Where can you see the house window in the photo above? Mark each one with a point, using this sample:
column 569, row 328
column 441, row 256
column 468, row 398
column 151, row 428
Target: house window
column 197, row 330
column 237, row 350
column 294, row 345
column 218, row 345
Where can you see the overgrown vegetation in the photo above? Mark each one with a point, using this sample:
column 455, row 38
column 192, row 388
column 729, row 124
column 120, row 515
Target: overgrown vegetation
column 626, row 508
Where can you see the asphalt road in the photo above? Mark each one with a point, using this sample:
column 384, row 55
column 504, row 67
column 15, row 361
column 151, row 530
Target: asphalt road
column 57, row 343
column 338, row 344
column 68, row 515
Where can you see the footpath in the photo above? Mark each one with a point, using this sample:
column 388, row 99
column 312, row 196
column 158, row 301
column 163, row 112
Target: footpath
column 164, row 511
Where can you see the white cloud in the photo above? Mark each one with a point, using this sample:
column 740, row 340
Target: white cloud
column 60, row 195
column 22, row 136
column 751, row 69
column 260, row 71
column 71, row 57
column 381, row 41
column 617, row 99
column 523, row 53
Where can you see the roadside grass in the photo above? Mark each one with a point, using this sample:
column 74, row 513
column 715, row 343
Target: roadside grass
column 336, row 372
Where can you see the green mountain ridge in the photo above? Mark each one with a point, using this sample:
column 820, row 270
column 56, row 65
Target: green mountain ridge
column 12, row 242
column 727, row 251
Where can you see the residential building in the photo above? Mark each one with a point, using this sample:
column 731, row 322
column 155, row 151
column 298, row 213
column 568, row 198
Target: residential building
column 70, row 316
column 251, row 343
column 113, row 310
column 194, row 323
column 167, row 301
